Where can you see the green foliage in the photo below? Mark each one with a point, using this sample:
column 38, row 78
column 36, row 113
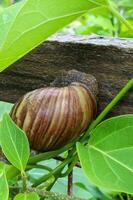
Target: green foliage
column 82, row 188
column 103, row 21
column 4, row 107
column 18, row 38
column 14, row 143
column 107, row 159
column 10, row 170
column 5, row 3
column 27, row 196
column 61, row 185
column 4, row 190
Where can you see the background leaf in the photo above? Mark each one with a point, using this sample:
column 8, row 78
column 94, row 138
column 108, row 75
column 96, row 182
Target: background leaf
column 10, row 170
column 19, row 34
column 4, row 107
column 14, row 143
column 103, row 21
column 107, row 160
column 28, row 196
column 4, row 190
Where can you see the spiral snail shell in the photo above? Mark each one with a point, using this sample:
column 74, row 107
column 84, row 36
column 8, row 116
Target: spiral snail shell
column 53, row 116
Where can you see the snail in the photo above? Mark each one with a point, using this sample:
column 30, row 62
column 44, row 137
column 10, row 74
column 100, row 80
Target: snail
column 53, row 116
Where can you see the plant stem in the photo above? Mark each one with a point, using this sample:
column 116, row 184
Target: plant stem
column 24, row 181
column 28, row 167
column 120, row 17
column 109, row 107
column 75, row 158
column 56, row 172
column 49, row 155
column 70, row 184
column 70, row 178
column 59, row 158
column 121, row 197
column 128, row 197
column 52, row 184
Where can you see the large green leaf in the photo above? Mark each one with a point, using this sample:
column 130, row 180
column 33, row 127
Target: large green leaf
column 4, row 190
column 26, row 24
column 14, row 143
column 108, row 158
column 27, row 196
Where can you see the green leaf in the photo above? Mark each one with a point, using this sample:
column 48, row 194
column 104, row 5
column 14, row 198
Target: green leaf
column 108, row 158
column 5, row 2
column 126, row 3
column 4, row 190
column 81, row 185
column 4, row 107
column 14, row 143
column 27, row 196
column 26, row 24
column 10, row 170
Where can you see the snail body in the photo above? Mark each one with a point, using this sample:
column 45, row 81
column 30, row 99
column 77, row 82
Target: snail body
column 53, row 116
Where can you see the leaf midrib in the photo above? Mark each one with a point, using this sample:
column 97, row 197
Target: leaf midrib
column 14, row 144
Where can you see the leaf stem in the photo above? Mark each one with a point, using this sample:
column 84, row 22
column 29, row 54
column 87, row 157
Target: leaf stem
column 128, row 197
column 49, row 155
column 24, row 181
column 56, row 172
column 70, row 168
column 120, row 17
column 109, row 107
column 28, row 167
column 70, row 184
column 121, row 197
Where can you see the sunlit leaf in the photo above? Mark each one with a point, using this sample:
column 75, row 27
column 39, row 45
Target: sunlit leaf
column 126, row 3
column 14, row 143
column 4, row 190
column 27, row 196
column 26, row 24
column 107, row 160
column 4, row 107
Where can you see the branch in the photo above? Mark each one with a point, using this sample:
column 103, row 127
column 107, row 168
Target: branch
column 59, row 158
column 45, row 194
column 70, row 184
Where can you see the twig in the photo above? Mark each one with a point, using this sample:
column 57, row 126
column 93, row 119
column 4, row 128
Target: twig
column 59, row 158
column 70, row 178
column 70, row 184
column 48, row 155
column 108, row 108
column 56, row 172
column 46, row 194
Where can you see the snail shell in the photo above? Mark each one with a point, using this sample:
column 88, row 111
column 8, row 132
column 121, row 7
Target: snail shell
column 53, row 116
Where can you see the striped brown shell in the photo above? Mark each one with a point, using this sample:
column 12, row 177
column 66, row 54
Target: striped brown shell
column 52, row 116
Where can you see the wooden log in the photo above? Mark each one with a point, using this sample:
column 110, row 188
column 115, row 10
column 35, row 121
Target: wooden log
column 110, row 60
